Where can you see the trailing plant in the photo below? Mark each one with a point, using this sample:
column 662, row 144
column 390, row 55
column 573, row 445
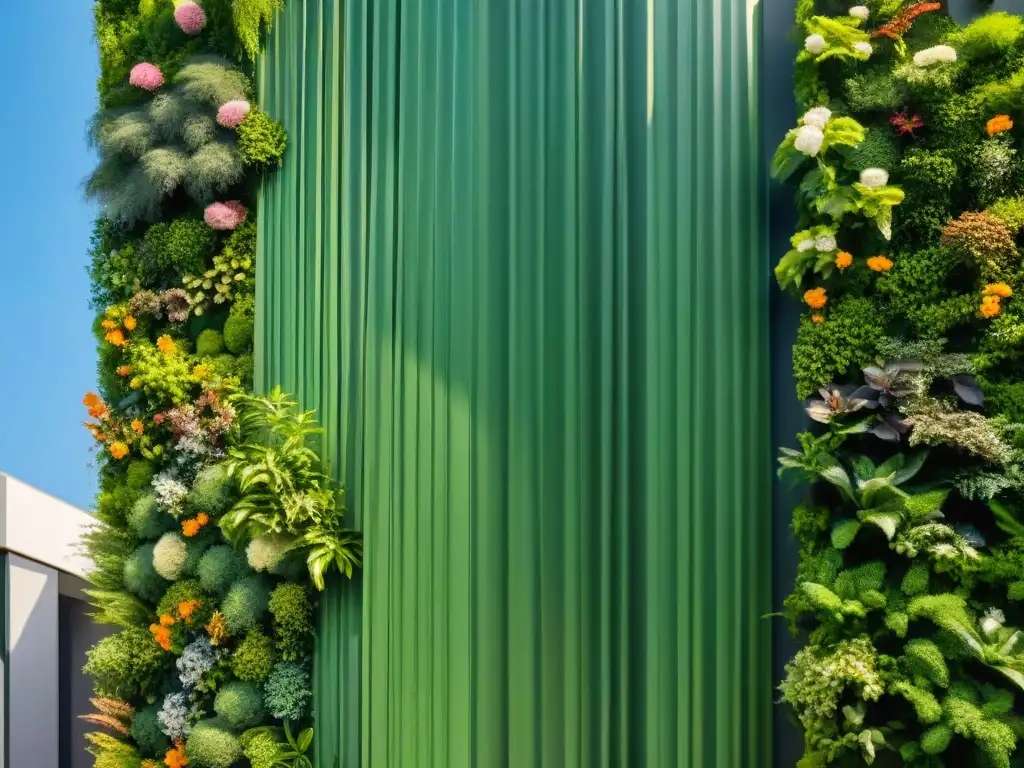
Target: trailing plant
column 211, row 498
column 910, row 586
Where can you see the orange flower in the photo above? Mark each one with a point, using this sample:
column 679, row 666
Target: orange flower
column 162, row 635
column 844, row 259
column 202, row 518
column 166, row 344
column 167, row 620
column 815, row 298
column 217, row 628
column 990, row 306
column 998, row 124
column 137, row 426
column 998, row 289
column 118, row 450
column 817, row 317
column 115, row 337
column 98, row 411
column 186, row 609
column 130, row 323
column 879, row 264
column 176, row 757
column 91, row 399
column 109, row 325
column 190, row 527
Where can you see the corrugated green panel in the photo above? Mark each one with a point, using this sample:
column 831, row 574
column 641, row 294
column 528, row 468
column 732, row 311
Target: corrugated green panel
column 516, row 258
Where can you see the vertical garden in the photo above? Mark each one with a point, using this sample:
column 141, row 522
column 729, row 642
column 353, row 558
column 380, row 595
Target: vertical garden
column 216, row 522
column 909, row 185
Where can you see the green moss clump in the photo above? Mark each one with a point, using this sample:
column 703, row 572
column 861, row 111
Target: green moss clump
column 209, row 344
column 148, row 520
column 928, row 179
column 182, row 592
column 846, row 341
column 212, row 744
column 874, row 90
column 1010, row 211
column 254, row 657
column 219, row 568
column 245, row 604
column 989, row 35
column 175, row 248
column 148, row 734
column 238, row 330
column 139, row 475
column 126, row 664
column 293, row 620
column 141, row 578
column 212, row 492
column 261, row 139
column 878, row 150
column 915, row 582
column 287, row 692
column 240, row 704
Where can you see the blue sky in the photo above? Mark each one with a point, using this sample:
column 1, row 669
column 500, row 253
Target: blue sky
column 47, row 355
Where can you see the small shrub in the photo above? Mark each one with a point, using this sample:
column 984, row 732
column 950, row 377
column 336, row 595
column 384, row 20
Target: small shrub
column 170, row 556
column 212, row 492
column 148, row 520
column 140, row 577
column 210, row 343
column 238, row 330
column 211, row 744
column 245, row 604
column 293, row 620
column 254, row 657
column 240, row 704
column 261, row 139
column 148, row 733
column 989, row 35
column 287, row 693
column 265, row 552
column 126, row 664
column 219, row 568
column 839, row 346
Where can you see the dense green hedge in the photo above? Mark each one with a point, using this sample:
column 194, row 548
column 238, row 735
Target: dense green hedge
column 911, row 353
column 217, row 523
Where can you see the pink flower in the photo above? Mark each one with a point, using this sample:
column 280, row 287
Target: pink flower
column 146, row 76
column 231, row 114
column 190, row 18
column 227, row 215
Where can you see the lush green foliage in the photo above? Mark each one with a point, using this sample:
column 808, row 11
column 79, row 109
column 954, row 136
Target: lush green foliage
column 910, row 584
column 175, row 427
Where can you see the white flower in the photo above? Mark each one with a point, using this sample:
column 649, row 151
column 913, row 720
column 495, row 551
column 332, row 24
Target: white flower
column 808, row 139
column 934, row 55
column 815, row 43
column 817, row 117
column 874, row 177
column 805, row 245
column 825, row 243
column 994, row 620
column 860, row 12
column 864, row 48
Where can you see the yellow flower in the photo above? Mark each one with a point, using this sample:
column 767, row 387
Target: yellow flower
column 116, row 337
column 118, row 450
column 879, row 264
column 998, row 289
column 201, row 371
column 998, row 124
column 817, row 317
column 815, row 298
column 844, row 259
column 137, row 426
column 129, row 323
column 135, row 383
column 217, row 629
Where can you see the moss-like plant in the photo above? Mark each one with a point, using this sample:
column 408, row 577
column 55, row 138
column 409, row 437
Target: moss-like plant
column 212, row 744
column 240, row 704
column 219, row 568
column 254, row 658
column 141, row 577
column 261, row 139
column 245, row 604
column 148, row 520
column 210, row 343
column 126, row 664
column 287, row 693
column 147, row 732
column 293, row 625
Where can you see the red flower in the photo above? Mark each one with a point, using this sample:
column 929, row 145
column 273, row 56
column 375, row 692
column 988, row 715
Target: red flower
column 906, row 125
column 159, row 418
column 900, row 23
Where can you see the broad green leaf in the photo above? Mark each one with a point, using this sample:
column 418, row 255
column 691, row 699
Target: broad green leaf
column 863, row 467
column 838, row 477
column 887, row 521
column 921, row 505
column 910, row 467
column 1006, row 519
column 787, row 158
column 1011, row 674
column 305, row 739
column 844, row 532
column 870, row 489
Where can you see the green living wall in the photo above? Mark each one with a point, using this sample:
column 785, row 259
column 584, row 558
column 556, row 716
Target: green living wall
column 516, row 261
